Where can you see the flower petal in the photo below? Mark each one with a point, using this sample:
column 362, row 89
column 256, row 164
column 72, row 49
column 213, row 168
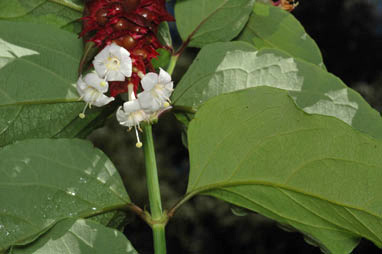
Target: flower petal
column 121, row 115
column 149, row 81
column 100, row 60
column 115, row 76
column 119, row 52
column 126, row 67
column 100, row 67
column 88, row 94
column 81, row 86
column 148, row 103
column 131, row 115
column 131, row 106
column 164, row 76
column 103, row 54
column 102, row 100
column 93, row 80
column 168, row 89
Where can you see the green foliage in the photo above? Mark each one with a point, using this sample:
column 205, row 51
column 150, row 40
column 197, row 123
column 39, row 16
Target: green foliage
column 208, row 21
column 43, row 181
column 78, row 236
column 17, row 8
column 272, row 27
column 162, row 59
column 254, row 148
column 164, row 34
column 269, row 130
column 227, row 67
column 56, row 13
column 38, row 73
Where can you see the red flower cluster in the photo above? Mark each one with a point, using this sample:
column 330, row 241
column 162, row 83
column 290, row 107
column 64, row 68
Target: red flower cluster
column 132, row 24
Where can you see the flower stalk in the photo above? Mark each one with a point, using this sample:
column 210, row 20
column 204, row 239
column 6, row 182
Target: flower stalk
column 172, row 64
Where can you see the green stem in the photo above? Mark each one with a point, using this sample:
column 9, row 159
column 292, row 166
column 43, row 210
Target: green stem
column 158, row 218
column 159, row 238
column 69, row 4
column 172, row 64
column 152, row 174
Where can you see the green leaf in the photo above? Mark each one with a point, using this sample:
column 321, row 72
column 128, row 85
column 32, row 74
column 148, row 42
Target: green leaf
column 162, row 59
column 255, row 149
column 164, row 34
column 272, row 27
column 50, row 13
column 227, row 67
column 43, row 181
column 17, row 8
column 38, row 72
column 79, row 237
column 208, row 21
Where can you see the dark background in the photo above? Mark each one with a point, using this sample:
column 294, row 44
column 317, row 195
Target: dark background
column 349, row 34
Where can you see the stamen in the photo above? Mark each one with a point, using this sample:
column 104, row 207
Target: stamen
column 82, row 115
column 139, row 143
column 140, row 74
column 166, row 104
column 95, row 95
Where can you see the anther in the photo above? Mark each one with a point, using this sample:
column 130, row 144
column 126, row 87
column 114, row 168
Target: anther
column 82, row 114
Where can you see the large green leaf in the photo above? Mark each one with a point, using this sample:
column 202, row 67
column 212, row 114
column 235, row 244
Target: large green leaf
column 79, row 237
column 19, row 8
column 208, row 21
column 226, row 67
column 50, row 13
column 254, row 148
column 38, row 72
column 272, row 27
column 43, row 181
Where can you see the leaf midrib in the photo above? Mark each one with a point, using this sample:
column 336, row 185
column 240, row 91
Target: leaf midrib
column 216, row 27
column 38, row 102
column 282, row 25
column 189, row 38
column 235, row 68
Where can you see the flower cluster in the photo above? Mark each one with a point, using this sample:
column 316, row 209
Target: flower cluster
column 113, row 63
column 288, row 5
column 131, row 24
column 150, row 103
column 125, row 33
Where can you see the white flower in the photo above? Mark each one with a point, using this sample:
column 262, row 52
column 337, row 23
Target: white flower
column 131, row 115
column 157, row 91
column 91, row 88
column 113, row 63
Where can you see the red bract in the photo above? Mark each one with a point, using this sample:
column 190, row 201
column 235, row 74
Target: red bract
column 131, row 24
